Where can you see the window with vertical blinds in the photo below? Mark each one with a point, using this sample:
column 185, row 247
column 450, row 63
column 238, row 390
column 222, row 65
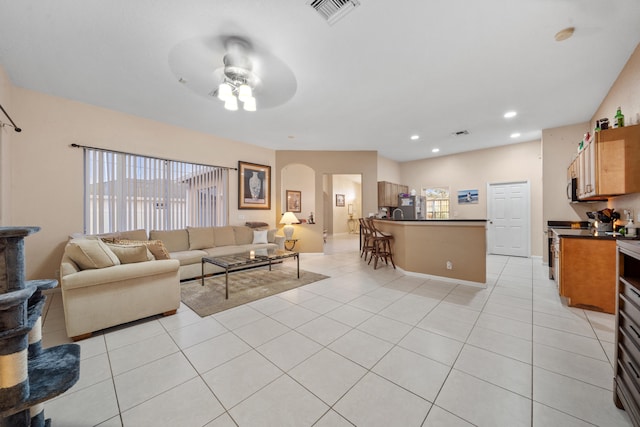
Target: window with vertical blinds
column 128, row 192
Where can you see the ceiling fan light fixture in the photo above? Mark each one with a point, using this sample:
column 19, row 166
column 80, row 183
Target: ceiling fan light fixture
column 244, row 92
column 231, row 103
column 224, row 91
column 250, row 104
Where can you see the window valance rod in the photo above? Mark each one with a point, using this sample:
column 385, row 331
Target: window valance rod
column 16, row 128
column 148, row 157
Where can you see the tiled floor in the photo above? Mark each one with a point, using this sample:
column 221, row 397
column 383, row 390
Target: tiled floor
column 364, row 347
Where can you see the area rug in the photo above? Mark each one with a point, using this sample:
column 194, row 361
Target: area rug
column 244, row 286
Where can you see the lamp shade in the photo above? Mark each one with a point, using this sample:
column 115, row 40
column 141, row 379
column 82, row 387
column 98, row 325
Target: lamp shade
column 289, row 218
column 224, row 91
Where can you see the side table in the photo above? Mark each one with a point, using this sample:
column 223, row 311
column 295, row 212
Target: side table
column 290, row 244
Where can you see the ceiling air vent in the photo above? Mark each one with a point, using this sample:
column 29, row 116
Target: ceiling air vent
column 461, row 132
column 333, row 10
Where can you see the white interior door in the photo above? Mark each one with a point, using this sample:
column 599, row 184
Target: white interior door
column 509, row 222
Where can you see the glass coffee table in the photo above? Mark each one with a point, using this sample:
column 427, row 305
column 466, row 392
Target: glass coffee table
column 241, row 261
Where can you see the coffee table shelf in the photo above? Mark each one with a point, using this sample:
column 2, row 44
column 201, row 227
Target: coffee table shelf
column 252, row 259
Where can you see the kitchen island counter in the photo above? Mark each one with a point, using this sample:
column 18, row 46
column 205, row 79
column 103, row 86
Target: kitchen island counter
column 453, row 249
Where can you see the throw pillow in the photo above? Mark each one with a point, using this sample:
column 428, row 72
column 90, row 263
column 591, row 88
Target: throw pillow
column 128, row 254
column 200, row 237
column 156, row 247
column 91, row 254
column 260, row 236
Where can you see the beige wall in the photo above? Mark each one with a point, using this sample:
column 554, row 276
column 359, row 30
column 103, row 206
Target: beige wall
column 5, row 145
column 364, row 163
column 389, row 170
column 476, row 169
column 47, row 186
column 624, row 93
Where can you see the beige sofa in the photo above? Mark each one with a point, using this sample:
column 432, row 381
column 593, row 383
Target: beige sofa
column 191, row 244
column 101, row 290
column 117, row 278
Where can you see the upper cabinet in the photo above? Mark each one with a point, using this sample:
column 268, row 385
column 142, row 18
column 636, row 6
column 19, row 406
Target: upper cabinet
column 606, row 165
column 388, row 193
column 618, row 158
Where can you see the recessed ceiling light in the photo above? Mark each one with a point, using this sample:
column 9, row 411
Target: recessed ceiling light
column 291, row 137
column 515, row 135
column 510, row 114
column 564, row 34
column 435, row 150
column 414, row 137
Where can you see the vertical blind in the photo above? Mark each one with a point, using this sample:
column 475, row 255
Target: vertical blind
column 128, row 192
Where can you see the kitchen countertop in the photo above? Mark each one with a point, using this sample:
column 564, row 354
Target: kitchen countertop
column 431, row 220
column 589, row 234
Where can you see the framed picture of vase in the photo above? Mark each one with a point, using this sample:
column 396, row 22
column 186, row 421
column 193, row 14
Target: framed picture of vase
column 254, row 186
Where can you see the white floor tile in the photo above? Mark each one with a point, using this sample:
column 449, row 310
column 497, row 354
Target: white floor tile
column 216, row 351
column 138, row 385
column 434, row 346
column 438, row 417
column 239, row 378
column 592, row 371
column 89, row 406
column 288, row 350
column 129, row 334
column 261, row 331
column 385, row 328
column 197, row 332
column 506, row 345
column 375, row 401
column 197, row 406
column 416, row 373
column 332, row 419
column 349, row 315
column 324, row 330
column 294, row 316
column 328, row 375
column 581, row 400
column 140, row 353
column 283, row 403
column 496, row 369
column 482, row 403
column 361, row 347
column 579, row 344
column 544, row 416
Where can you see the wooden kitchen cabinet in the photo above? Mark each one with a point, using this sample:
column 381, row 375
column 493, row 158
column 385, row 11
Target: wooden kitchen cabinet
column 388, row 193
column 618, row 157
column 606, row 166
column 587, row 273
column 627, row 330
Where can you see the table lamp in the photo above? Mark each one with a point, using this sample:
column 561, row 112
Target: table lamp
column 288, row 218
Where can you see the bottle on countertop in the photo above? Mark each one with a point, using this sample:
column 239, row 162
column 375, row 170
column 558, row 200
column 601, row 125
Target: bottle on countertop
column 631, row 228
column 619, row 118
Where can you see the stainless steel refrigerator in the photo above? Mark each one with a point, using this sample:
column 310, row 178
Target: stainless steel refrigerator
column 410, row 207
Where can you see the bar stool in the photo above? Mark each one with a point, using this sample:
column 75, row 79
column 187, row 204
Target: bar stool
column 367, row 238
column 381, row 245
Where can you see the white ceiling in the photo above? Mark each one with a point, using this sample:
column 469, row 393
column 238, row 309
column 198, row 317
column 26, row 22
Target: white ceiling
column 387, row 70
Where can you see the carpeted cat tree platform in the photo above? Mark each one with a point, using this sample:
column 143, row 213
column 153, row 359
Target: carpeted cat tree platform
column 29, row 374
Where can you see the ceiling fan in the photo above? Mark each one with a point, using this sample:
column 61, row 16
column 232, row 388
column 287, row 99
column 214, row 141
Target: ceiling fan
column 206, row 64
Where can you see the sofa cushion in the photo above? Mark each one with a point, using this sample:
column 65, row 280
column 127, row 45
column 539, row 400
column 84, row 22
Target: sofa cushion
column 200, row 237
column 257, row 225
column 90, row 254
column 244, row 234
column 174, row 240
column 140, row 234
column 271, row 235
column 225, row 236
column 188, row 257
column 260, row 236
column 128, row 254
column 156, row 247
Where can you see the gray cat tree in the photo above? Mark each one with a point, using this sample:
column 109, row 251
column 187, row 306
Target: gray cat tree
column 29, row 374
